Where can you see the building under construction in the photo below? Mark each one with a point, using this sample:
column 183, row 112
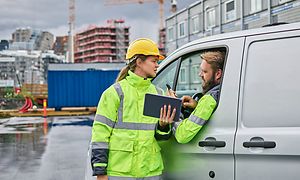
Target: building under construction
column 102, row 43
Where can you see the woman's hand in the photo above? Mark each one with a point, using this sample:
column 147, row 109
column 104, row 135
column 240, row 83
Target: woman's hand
column 165, row 115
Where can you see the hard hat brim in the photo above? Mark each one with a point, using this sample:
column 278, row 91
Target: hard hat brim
column 161, row 57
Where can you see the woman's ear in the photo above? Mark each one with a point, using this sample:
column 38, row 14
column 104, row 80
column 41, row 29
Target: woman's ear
column 138, row 62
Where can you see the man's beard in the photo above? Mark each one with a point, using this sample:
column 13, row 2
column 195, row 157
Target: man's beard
column 206, row 86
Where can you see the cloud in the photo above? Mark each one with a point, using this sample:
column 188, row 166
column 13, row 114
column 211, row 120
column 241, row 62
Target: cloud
column 52, row 15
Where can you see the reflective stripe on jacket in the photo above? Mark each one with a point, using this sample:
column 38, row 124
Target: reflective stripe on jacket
column 123, row 140
column 189, row 127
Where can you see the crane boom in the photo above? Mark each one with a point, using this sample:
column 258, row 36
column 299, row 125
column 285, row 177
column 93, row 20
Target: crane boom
column 161, row 7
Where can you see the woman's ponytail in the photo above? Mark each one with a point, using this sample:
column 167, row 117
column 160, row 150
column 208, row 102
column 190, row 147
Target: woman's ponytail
column 123, row 73
column 131, row 66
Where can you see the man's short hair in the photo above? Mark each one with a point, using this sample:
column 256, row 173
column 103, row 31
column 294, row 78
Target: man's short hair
column 214, row 58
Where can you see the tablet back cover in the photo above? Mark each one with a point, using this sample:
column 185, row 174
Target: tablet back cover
column 154, row 102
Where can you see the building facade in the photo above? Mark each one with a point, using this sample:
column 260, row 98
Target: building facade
column 102, row 43
column 210, row 17
column 26, row 67
column 60, row 45
column 4, row 44
column 31, row 39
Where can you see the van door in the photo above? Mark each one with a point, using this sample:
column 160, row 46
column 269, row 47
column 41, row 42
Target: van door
column 267, row 142
column 190, row 161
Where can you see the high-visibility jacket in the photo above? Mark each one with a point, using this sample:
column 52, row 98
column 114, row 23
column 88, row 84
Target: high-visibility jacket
column 123, row 139
column 189, row 127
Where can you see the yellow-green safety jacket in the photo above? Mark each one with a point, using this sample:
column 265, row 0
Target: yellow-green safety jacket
column 189, row 127
column 123, row 139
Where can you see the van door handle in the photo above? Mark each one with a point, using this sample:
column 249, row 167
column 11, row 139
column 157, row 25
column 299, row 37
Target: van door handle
column 263, row 144
column 212, row 144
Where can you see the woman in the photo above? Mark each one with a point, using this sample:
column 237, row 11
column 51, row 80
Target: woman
column 123, row 140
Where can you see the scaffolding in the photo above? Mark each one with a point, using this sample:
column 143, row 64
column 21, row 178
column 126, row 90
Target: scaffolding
column 102, row 43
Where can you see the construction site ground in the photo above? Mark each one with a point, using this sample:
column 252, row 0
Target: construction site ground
column 49, row 148
column 65, row 111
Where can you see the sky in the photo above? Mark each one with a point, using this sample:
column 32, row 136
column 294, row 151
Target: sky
column 52, row 16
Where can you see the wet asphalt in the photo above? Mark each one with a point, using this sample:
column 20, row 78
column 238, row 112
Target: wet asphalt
column 34, row 148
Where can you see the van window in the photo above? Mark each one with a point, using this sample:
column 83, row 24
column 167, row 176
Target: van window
column 189, row 81
column 166, row 76
column 270, row 96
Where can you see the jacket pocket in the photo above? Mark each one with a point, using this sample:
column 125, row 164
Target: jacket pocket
column 120, row 156
column 156, row 163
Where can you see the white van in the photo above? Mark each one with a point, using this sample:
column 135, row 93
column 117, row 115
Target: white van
column 255, row 132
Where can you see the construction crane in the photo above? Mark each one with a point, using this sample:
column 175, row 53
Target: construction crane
column 160, row 2
column 162, row 34
column 70, row 54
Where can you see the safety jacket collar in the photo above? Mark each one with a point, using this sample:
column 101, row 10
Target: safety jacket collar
column 137, row 81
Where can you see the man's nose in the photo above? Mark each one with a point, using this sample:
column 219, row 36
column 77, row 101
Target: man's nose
column 200, row 74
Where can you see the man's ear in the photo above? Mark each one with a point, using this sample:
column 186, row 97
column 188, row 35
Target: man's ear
column 218, row 74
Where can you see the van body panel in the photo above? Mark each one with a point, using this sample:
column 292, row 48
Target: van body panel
column 269, row 108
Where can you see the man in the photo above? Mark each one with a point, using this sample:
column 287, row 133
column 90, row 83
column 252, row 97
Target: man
column 211, row 70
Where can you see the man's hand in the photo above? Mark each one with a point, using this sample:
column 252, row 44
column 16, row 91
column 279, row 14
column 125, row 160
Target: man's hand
column 189, row 102
column 102, row 177
column 165, row 115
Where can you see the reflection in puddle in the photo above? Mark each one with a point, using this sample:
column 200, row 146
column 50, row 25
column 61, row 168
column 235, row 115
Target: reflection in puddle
column 23, row 141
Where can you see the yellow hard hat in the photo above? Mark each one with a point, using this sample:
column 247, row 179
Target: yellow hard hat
column 143, row 46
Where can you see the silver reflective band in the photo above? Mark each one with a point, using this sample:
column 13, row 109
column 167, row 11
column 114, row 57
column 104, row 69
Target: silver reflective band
column 135, row 126
column 119, row 90
column 126, row 125
column 131, row 178
column 104, row 120
column 175, row 126
column 99, row 145
column 197, row 120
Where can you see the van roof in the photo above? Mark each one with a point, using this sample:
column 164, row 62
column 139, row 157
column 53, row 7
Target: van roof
column 243, row 33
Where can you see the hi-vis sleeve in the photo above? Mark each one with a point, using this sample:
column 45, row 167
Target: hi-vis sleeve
column 104, row 121
column 189, row 127
column 163, row 133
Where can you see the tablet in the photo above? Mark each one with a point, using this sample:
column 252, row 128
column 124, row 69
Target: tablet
column 154, row 102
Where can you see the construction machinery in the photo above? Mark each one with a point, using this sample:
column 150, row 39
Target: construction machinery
column 70, row 54
column 162, row 34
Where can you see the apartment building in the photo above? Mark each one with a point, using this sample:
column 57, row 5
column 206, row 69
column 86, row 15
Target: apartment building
column 31, row 39
column 26, row 67
column 102, row 43
column 210, row 17
column 60, row 45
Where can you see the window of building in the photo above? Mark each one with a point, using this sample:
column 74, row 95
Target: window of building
column 188, row 80
column 210, row 18
column 195, row 73
column 195, row 24
column 181, row 29
column 182, row 75
column 230, row 13
column 170, row 33
column 255, row 6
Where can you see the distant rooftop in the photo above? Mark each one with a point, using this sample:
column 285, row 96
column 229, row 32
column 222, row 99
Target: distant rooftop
column 86, row 66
